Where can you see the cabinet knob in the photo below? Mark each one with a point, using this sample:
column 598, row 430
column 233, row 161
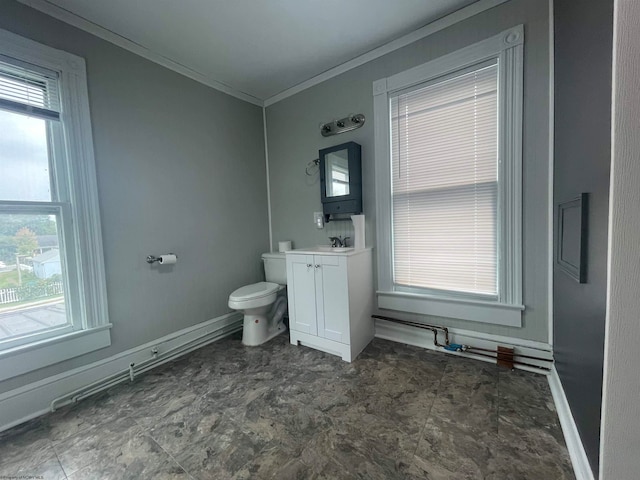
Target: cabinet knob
column 309, row 265
column 317, row 266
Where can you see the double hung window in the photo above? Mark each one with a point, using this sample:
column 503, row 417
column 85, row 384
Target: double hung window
column 51, row 264
column 448, row 167
column 444, row 163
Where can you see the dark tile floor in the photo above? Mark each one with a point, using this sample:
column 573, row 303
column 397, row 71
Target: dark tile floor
column 279, row 411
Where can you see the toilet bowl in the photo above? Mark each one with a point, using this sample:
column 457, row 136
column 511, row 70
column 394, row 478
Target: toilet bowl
column 264, row 304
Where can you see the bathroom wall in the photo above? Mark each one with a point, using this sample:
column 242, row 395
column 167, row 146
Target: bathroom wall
column 293, row 138
column 180, row 169
column 582, row 150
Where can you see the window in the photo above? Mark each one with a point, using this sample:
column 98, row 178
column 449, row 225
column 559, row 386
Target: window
column 51, row 265
column 448, row 170
column 444, row 187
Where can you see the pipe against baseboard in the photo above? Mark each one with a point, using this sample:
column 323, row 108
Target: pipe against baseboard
column 468, row 348
column 135, row 369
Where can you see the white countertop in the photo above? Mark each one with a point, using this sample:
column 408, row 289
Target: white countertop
column 328, row 250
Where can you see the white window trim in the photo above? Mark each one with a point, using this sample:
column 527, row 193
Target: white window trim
column 87, row 233
column 508, row 48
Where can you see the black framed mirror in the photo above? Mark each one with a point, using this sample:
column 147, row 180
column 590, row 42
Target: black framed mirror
column 341, row 179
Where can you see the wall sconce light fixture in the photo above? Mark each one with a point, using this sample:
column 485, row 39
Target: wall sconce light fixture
column 345, row 124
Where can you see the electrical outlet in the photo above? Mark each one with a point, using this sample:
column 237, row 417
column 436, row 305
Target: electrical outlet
column 318, row 219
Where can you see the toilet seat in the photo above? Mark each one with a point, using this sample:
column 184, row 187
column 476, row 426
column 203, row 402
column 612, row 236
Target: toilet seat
column 254, row 295
column 254, row 291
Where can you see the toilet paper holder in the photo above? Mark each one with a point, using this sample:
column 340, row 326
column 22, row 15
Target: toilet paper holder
column 152, row 258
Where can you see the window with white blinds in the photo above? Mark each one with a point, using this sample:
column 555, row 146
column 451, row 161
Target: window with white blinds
column 29, row 89
column 448, row 158
column 444, row 183
column 55, row 307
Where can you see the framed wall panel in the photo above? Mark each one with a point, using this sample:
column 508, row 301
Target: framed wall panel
column 572, row 231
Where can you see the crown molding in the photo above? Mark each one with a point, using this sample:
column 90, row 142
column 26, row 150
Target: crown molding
column 82, row 23
column 77, row 21
column 429, row 29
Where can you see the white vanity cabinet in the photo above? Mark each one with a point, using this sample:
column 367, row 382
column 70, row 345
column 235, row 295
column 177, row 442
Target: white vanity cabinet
column 331, row 300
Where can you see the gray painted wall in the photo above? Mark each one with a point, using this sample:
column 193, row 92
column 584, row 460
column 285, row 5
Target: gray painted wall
column 180, row 169
column 294, row 139
column 583, row 53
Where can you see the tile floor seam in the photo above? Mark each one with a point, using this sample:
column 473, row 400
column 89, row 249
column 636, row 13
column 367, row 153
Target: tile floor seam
column 57, row 444
column 60, row 463
column 20, row 458
column 236, row 423
column 138, row 423
column 64, row 470
column 169, row 455
column 148, row 432
column 444, row 369
column 42, row 462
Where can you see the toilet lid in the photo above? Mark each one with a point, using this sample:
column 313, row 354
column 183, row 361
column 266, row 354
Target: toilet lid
column 253, row 291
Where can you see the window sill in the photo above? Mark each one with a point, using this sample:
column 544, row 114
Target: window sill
column 26, row 358
column 472, row 310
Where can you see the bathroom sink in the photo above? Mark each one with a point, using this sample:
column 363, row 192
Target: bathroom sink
column 329, row 248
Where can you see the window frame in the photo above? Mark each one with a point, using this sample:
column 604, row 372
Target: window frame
column 508, row 48
column 75, row 174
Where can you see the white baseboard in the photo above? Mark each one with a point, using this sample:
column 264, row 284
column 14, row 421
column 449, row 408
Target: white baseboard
column 27, row 402
column 581, row 466
column 419, row 337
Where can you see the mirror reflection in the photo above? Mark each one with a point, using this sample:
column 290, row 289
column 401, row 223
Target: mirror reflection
column 337, row 173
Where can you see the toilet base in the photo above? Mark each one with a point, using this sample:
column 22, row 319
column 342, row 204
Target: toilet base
column 255, row 330
column 260, row 326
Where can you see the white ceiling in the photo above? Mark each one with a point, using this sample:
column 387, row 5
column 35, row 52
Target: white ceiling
column 260, row 47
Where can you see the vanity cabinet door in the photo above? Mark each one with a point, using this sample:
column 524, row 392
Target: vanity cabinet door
column 332, row 297
column 301, row 286
column 330, row 301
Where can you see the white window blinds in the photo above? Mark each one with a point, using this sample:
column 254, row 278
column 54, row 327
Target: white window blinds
column 444, row 151
column 28, row 89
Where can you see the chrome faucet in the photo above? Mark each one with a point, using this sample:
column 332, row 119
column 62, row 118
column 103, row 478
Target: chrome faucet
column 338, row 241
column 335, row 241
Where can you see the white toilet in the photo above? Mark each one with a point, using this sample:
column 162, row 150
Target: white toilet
column 264, row 304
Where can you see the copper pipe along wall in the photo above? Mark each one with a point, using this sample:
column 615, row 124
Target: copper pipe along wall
column 416, row 324
column 546, row 369
column 434, row 329
column 515, row 354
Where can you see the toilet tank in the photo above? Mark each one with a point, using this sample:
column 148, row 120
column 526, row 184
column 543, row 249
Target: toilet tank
column 275, row 267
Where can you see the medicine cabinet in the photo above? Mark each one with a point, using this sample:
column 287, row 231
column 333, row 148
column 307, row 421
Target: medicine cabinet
column 341, row 180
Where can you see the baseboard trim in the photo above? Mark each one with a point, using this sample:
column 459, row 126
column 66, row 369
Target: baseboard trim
column 418, row 337
column 581, row 466
column 30, row 401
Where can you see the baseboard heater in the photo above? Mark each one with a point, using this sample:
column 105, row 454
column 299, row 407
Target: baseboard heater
column 136, row 369
column 504, row 356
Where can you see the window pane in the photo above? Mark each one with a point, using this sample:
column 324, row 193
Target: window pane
column 31, row 275
column 446, row 239
column 445, row 184
column 24, row 158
